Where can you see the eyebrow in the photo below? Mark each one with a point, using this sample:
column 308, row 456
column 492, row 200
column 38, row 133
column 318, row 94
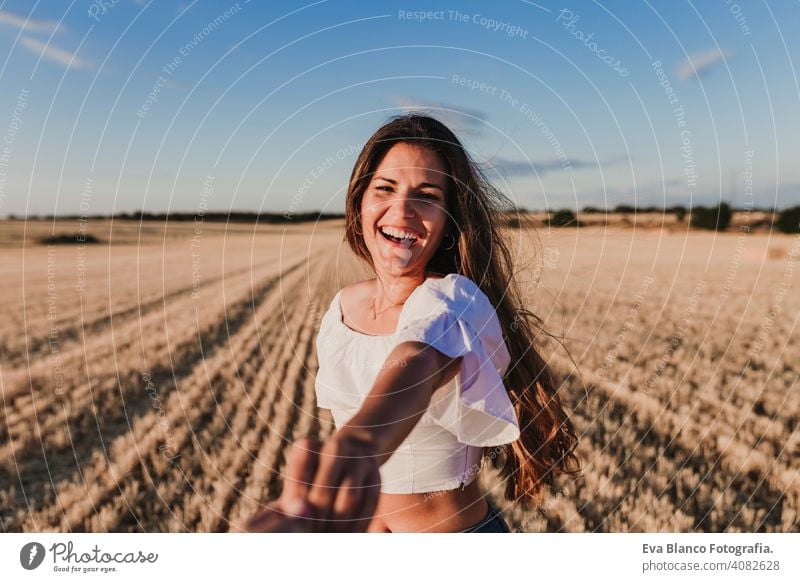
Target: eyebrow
column 423, row 185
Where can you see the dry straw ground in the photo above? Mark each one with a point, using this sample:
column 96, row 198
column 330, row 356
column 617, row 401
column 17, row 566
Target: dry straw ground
column 154, row 384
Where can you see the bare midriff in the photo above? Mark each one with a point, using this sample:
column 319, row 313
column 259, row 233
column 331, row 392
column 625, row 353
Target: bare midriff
column 436, row 511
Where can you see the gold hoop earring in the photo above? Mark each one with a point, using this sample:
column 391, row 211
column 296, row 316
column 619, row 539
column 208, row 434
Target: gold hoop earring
column 452, row 244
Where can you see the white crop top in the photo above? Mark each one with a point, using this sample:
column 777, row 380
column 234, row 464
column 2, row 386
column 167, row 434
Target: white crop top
column 443, row 450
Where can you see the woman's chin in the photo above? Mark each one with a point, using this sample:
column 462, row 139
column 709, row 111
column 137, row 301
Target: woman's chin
column 397, row 263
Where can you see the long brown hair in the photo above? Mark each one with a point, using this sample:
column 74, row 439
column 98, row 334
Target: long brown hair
column 476, row 211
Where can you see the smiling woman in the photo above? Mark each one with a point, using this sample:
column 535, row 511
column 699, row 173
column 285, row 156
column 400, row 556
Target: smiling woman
column 403, row 211
column 455, row 377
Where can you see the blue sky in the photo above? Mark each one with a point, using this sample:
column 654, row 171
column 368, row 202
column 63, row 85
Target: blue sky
column 117, row 106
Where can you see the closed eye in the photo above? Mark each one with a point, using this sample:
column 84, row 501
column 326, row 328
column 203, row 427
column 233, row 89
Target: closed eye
column 428, row 195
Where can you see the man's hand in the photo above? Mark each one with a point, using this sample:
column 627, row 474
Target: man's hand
column 307, row 506
column 346, row 487
column 291, row 513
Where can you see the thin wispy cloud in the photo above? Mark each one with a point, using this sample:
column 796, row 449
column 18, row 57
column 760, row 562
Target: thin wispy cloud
column 55, row 54
column 699, row 64
column 28, row 24
column 455, row 116
column 517, row 168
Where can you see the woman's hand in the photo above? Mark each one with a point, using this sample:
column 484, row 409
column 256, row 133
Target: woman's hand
column 346, row 487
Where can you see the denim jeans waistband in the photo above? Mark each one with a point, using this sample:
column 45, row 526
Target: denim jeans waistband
column 492, row 522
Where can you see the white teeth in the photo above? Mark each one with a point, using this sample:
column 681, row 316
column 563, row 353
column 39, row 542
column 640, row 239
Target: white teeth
column 402, row 234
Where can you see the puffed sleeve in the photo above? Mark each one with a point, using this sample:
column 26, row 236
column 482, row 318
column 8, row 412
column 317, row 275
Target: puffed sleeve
column 326, row 373
column 454, row 316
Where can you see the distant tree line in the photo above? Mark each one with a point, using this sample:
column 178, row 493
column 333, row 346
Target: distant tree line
column 710, row 218
column 789, row 220
column 217, row 216
column 265, row 217
column 69, row 239
column 679, row 211
column 714, row 218
column 563, row 217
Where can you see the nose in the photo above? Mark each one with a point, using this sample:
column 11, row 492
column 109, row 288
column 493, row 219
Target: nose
column 403, row 206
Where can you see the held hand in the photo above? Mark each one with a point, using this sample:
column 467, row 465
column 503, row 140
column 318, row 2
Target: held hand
column 346, row 487
column 277, row 518
column 345, row 510
column 292, row 513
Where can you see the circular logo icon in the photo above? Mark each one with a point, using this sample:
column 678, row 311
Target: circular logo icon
column 31, row 555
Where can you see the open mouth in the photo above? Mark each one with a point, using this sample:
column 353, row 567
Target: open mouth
column 399, row 237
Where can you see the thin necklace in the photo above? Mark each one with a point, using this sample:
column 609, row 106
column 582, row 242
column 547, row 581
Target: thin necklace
column 375, row 314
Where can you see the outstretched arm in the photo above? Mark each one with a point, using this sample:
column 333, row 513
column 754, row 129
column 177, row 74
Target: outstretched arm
column 398, row 399
column 400, row 396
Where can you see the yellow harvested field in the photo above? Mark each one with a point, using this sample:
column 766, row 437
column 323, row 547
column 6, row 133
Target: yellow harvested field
column 155, row 383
